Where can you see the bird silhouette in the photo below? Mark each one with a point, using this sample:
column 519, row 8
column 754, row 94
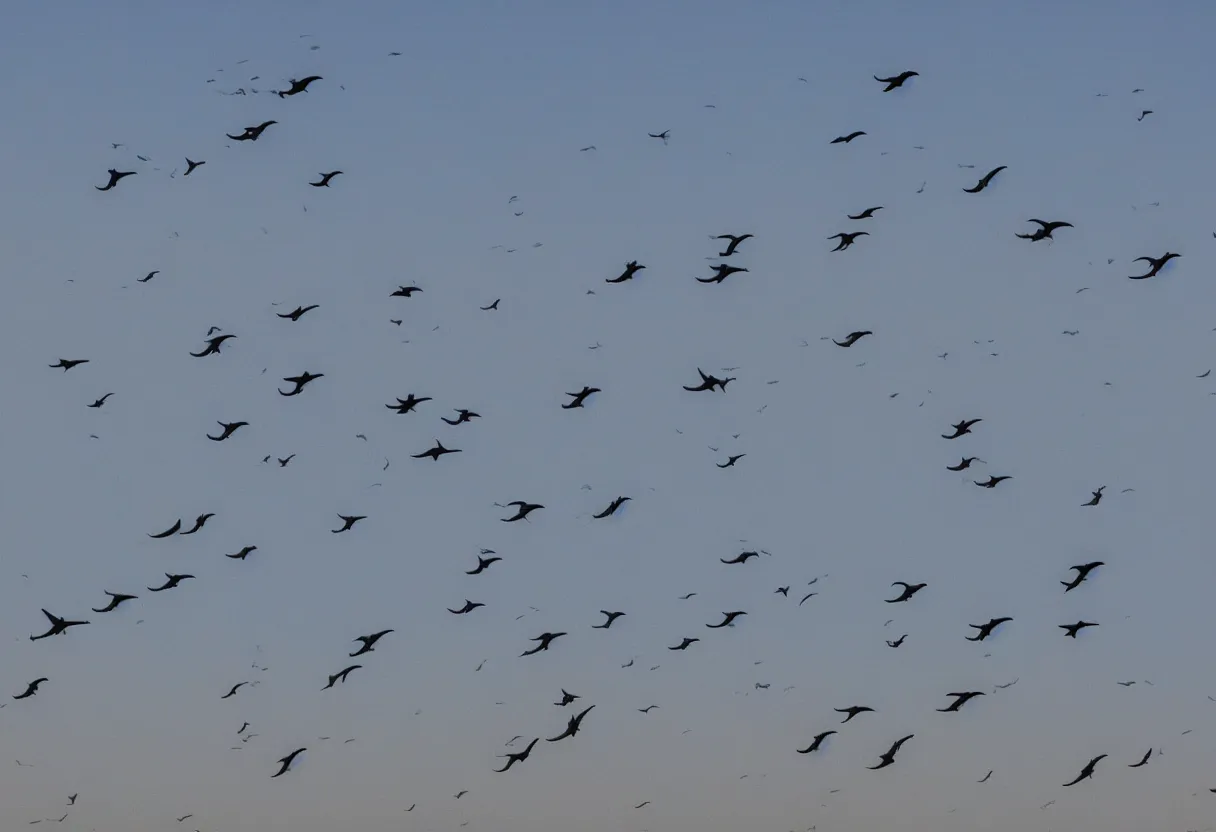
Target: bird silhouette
column 816, row 742
column 889, row 758
column 733, row 244
column 847, row 240
column 985, row 180
column 251, row 134
column 908, row 591
column 369, row 642
column 1071, row 630
column 323, row 182
column 572, row 727
column 58, row 626
column 286, row 762
column 896, row 81
column 609, row 618
column 348, row 522
column 519, row 757
column 116, row 598
column 545, row 640
column 960, row 699
column 852, row 711
column 578, row 398
column 1156, row 264
column 32, row 688
column 848, row 138
column 1082, row 570
column 115, row 177
column 985, row 630
column 631, row 269
column 1086, row 772
column 296, row 87
column 171, row 581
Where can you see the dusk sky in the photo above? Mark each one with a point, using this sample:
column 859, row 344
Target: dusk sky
column 843, row 478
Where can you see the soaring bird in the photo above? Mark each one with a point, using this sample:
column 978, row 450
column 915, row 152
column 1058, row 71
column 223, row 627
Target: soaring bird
column 340, row 676
column 99, row 402
column 733, row 244
column 213, row 346
column 848, row 138
column 172, row 530
column 545, row 640
column 369, row 642
column 462, row 416
column 435, row 452
column 68, row 363
column 32, row 688
column 1071, row 630
column 298, row 86
column 483, row 563
column 866, row 214
column 727, row 620
column 631, row 268
column 1086, row 772
column 960, row 428
column 300, row 381
column 985, row 181
column 116, row 598
column 708, row 382
column 852, row 711
column 889, row 757
column 685, row 644
column 323, row 182
column 408, row 404
column 1143, row 760
column 578, row 398
column 1096, row 498
column 468, row 607
column 567, row 698
column 298, row 312
column 847, row 240
column 287, row 761
column 852, row 338
column 148, row 276
column 243, row 553
column 612, row 508
column 199, row 522
column 665, row 135
column 896, row 81
column 964, row 464
column 251, row 134
column 1156, row 264
column 993, row 481
column 348, row 522
column 190, row 166
column 985, row 630
column 960, row 699
column 816, row 742
column 742, row 557
column 1043, row 232
column 405, row 291
column 908, row 591
column 1083, row 570
column 522, row 510
column 229, row 429
column 58, row 626
column 730, row 461
column 572, row 726
column 721, row 272
column 519, row 757
column 235, row 688
column 610, row 616
column 170, row 582
column 115, row 176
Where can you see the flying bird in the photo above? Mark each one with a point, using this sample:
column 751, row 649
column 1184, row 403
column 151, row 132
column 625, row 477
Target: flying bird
column 908, row 591
column 58, row 626
column 148, row 276
column 985, row 630
column 1143, row 760
column 340, row 676
column 730, row 461
column 300, row 381
column 468, row 607
column 1096, row 498
column 1086, row 772
column 99, row 402
column 816, row 742
column 299, row 86
column 609, row 618
column 960, row 428
column 960, row 700
column 172, row 530
column 1083, row 570
column 116, row 598
column 992, row 481
column 1071, row 630
column 1043, row 232
column 742, row 557
column 170, row 582
column 721, row 272
column 572, row 727
column 522, row 510
column 733, row 244
column 369, row 642
column 229, row 429
column 287, row 761
column 685, row 644
column 545, row 640
column 200, row 521
column 848, row 138
column 483, row 563
column 32, row 688
column 213, row 346
column 115, row 177
column 462, row 416
column 405, row 292
column 348, row 522
column 665, row 135
column 612, row 508
column 852, row 338
column 435, row 452
column 866, row 214
column 889, row 757
column 896, row 81
column 251, row 134
column 190, row 166
column 323, row 182
column 728, row 618
column 846, row 240
column 852, row 711
column 1156, row 264
column 519, row 757
column 964, row 464
column 578, row 398
column 235, row 688
column 298, row 312
column 985, row 181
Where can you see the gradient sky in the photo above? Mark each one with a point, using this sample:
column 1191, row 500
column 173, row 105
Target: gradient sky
column 493, row 100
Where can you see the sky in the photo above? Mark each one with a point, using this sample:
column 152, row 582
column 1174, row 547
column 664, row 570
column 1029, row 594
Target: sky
column 844, row 476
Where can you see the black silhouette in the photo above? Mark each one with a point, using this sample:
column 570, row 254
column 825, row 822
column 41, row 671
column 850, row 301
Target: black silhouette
column 213, row 346
column 1096, row 498
column 287, row 761
column 340, row 676
column 685, row 644
column 727, row 619
column 852, row 338
column 68, row 363
column 348, row 522
column 468, row 607
column 730, row 461
column 985, row 630
column 58, row 626
column 235, row 688
column 32, row 688
column 522, row 510
column 866, row 214
column 852, row 711
column 896, row 81
column 992, row 481
column 733, row 244
column 299, row 86
column 244, row 553
column 572, row 727
column 1156, row 264
column 1083, row 570
column 1086, row 772
column 889, row 757
column 1071, row 630
column 965, row 463
column 742, row 557
column 170, row 582
column 512, row 759
column 482, row 565
column 959, row 429
column 405, row 292
column 612, row 507
column 323, row 182
column 369, row 642
column 300, row 381
column 816, row 742
column 116, row 598
column 985, row 181
column 960, row 700
column 251, row 134
column 579, row 397
column 846, row 240
column 721, row 272
column 848, row 138
column 1044, row 231
column 229, row 429
column 908, row 591
column 172, row 530
column 545, row 640
column 298, row 312
column 99, row 402
column 190, row 166
column 462, row 416
column 631, row 268
column 610, row 617
column 115, row 177
column 435, row 452
column 200, row 521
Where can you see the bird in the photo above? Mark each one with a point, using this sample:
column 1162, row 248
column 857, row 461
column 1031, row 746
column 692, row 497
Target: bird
column 578, row 398
column 708, row 382
column 908, row 591
column 1143, row 760
column 229, row 429
column 1156, row 264
column 116, row 598
column 1086, row 772
column 284, row 460
column 99, row 402
column 889, row 757
column 519, row 757
column 612, row 508
column 816, row 742
column 435, row 452
column 405, row 292
column 985, row 630
column 243, row 553
column 297, row 313
column 1144, row 113
column 369, row 642
column 960, row 428
column 251, row 134
column 964, row 464
column 199, row 522
column 213, row 346
column 631, row 269
column 298, row 86
column 68, row 363
column 235, row 688
column 896, row 81
column 522, row 510
column 1044, row 231
column 1082, row 570
column 115, row 177
column 462, row 416
column 685, row 644
column 721, row 272
column 733, row 244
column 468, row 607
column 992, row 481
column 170, row 582
column 300, row 381
column 609, row 618
column 985, row 180
column 848, row 138
column 730, row 461
column 148, row 276
column 846, row 240
column 190, row 166
column 545, row 640
column 567, row 698
column 493, row 305
column 852, row 711
column 323, row 182
column 1096, row 498
column 287, row 761
column 665, row 135
column 899, row 641
column 32, row 688
column 340, row 676
column 172, row 530
column 728, row 618
column 866, row 214
column 58, row 626
column 408, row 404
column 483, row 563
column 572, row 727
column 960, row 700
column 742, row 557
column 852, row 338
column 348, row 522
column 1071, row 630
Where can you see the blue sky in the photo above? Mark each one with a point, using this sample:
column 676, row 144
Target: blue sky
column 841, row 481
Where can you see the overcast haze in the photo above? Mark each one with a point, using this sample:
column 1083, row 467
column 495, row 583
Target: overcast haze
column 843, row 480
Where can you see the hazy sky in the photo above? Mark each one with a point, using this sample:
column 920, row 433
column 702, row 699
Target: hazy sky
column 842, row 480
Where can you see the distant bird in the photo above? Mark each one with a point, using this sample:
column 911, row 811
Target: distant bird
column 1096, row 498
column 733, row 244
column 408, row 404
column 866, row 214
column 852, row 338
column 846, row 240
column 348, row 522
column 1044, row 230
column 148, row 276
column 899, row 641
column 58, row 626
column 483, row 563
column 848, row 138
column 1144, row 113
column 708, row 382
column 340, row 676
column 251, row 134
column 985, row 181
column 244, row 553
column 1156, row 264
column 287, row 761
column 298, row 86
column 572, row 727
column 435, row 452
column 190, row 166
column 462, row 416
column 964, row 463
column 612, row 508
column 1071, row 630
column 199, row 522
column 685, row 644
column 172, row 530
column 609, row 618
column 1083, row 570
column 369, row 642
column 578, row 398
column 665, row 135
column 99, row 402
column 742, row 557
column 213, row 346
column 816, row 742
column 852, row 711
column 721, row 272
column 962, row 427
column 896, row 81
column 985, row 630
column 32, row 688
column 116, row 598
column 889, row 757
column 68, row 363
column 631, row 269
column 960, row 700
column 229, row 429
column 545, row 640
column 235, row 688
column 727, row 619
column 522, row 510
column 993, row 481
column 300, row 382
column 567, row 698
column 512, row 759
column 468, row 607
column 1086, row 772
column 323, row 182
column 298, row 312
column 170, row 582
column 115, row 177
column 730, row 462
column 908, row 591
column 1143, row 760
column 405, row 291
column 493, row 305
